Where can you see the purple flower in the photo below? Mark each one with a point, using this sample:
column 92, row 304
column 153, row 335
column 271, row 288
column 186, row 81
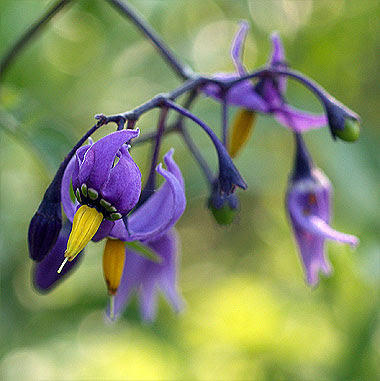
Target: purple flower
column 91, row 173
column 308, row 204
column 267, row 96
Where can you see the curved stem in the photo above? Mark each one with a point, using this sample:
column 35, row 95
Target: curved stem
column 198, row 156
column 150, row 184
column 184, row 71
column 224, row 118
column 29, row 34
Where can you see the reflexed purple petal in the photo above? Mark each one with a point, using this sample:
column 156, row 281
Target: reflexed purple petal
column 312, row 252
column 79, row 155
column 123, row 187
column 45, row 272
column 68, row 206
column 278, row 51
column 130, row 280
column 104, row 230
column 99, row 159
column 146, row 277
column 299, row 121
column 278, row 60
column 243, row 94
column 238, row 46
column 148, row 300
column 162, row 210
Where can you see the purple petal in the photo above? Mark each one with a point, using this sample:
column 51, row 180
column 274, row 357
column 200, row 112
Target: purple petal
column 69, row 176
column 242, row 94
column 79, row 156
column 312, row 252
column 123, row 187
column 314, row 224
column 99, row 159
column 68, row 206
column 167, row 248
column 299, row 121
column 278, row 60
column 319, row 227
column 148, row 300
column 278, row 51
column 45, row 272
column 163, row 209
column 146, row 277
column 237, row 47
column 130, row 280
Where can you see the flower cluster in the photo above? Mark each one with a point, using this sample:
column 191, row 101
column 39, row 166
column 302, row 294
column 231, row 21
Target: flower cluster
column 99, row 185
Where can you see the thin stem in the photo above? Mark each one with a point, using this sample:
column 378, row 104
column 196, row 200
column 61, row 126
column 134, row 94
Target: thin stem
column 217, row 143
column 157, row 101
column 150, row 184
column 181, row 69
column 224, row 119
column 190, row 142
column 29, row 34
column 325, row 98
column 197, row 156
column 153, row 135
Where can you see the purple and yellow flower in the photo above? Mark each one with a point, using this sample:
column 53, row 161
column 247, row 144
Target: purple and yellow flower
column 268, row 94
column 308, row 202
column 107, row 185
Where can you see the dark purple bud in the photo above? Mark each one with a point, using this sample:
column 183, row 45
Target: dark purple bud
column 229, row 176
column 46, row 223
column 223, row 207
column 45, row 275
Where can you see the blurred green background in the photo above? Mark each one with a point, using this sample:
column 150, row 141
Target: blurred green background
column 249, row 313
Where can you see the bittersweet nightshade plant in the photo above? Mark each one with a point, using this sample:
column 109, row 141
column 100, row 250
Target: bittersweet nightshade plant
column 99, row 184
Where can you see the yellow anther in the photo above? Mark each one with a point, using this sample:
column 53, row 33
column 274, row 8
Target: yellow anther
column 86, row 223
column 113, row 264
column 241, row 130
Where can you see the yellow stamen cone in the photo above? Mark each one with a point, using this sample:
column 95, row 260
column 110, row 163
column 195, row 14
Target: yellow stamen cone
column 86, row 223
column 113, row 264
column 241, row 130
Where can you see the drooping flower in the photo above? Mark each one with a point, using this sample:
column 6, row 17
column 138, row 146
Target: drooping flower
column 268, row 95
column 308, row 202
column 103, row 189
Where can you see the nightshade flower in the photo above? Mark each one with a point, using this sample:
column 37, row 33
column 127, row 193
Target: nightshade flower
column 268, row 95
column 103, row 189
column 308, row 204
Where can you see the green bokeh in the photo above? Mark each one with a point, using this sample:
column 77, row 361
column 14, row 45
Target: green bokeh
column 249, row 314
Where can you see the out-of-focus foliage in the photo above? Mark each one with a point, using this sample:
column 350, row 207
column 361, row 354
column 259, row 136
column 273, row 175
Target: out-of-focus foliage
column 249, row 313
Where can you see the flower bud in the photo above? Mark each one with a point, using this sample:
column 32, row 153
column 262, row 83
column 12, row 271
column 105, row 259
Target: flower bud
column 223, row 207
column 241, row 131
column 46, row 223
column 350, row 132
column 113, row 264
column 343, row 122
